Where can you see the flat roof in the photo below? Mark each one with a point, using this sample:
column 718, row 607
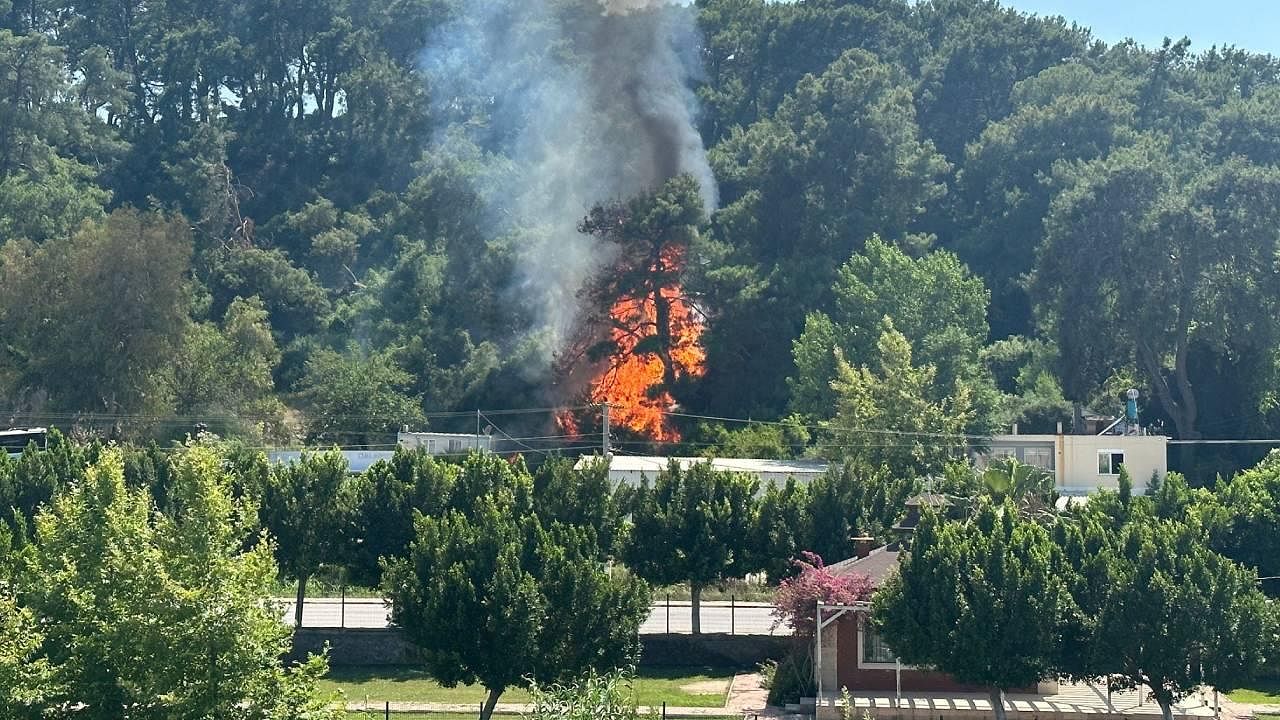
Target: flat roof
column 1053, row 438
column 655, row 464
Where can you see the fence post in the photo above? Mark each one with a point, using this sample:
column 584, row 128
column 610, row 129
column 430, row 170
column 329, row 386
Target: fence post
column 387, row 711
column 668, row 613
column 342, row 622
column 664, row 710
column 733, row 607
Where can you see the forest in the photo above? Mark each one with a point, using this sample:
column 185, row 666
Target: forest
column 841, row 220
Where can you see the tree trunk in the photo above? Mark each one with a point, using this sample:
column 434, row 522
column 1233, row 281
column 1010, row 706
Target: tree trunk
column 997, row 703
column 1166, row 707
column 302, row 596
column 490, row 702
column 695, row 601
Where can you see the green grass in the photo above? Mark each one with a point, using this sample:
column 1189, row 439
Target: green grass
column 1264, row 692
column 653, row 686
column 471, row 716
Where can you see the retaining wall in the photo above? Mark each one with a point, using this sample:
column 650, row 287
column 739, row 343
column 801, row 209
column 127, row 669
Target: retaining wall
column 387, row 646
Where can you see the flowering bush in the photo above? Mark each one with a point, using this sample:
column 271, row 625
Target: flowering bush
column 796, row 599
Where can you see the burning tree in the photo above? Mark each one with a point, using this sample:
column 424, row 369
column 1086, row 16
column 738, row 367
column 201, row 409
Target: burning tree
column 645, row 337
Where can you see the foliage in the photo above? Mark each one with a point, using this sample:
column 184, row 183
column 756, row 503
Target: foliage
column 607, row 697
column 692, row 525
column 885, row 414
column 386, row 500
column 309, row 508
column 1160, row 609
column 933, row 301
column 356, row 400
column 237, row 216
column 981, row 600
column 535, row 598
column 161, row 616
column 796, row 598
column 1242, row 517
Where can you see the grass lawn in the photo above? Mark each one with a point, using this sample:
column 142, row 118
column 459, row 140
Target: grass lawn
column 1264, row 692
column 455, row 716
column 678, row 687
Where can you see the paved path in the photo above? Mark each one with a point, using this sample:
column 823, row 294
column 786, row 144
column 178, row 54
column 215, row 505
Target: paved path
column 717, row 617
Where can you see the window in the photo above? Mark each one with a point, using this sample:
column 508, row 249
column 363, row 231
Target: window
column 874, row 650
column 1109, row 462
column 1039, row 457
column 998, row 453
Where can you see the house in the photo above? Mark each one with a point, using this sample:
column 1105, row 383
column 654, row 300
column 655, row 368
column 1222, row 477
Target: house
column 632, row 469
column 849, row 653
column 1084, row 464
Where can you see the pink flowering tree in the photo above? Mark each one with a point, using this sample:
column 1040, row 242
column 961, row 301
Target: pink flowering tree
column 796, row 599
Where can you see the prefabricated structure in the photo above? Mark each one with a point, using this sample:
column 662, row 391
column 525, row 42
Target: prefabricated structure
column 632, row 469
column 358, row 461
column 435, row 443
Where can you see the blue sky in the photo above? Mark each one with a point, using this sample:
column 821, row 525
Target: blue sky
column 1248, row 24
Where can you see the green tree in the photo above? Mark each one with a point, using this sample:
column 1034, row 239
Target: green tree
column 225, row 373
column 886, row 416
column 24, row 675
column 933, row 301
column 309, row 508
column 114, row 308
column 580, row 497
column 1203, row 290
column 162, row 616
column 841, row 160
column 693, row 525
column 1166, row 612
column 782, row 528
column 1242, row 516
column 389, row 496
column 981, row 600
column 536, row 600
column 355, row 399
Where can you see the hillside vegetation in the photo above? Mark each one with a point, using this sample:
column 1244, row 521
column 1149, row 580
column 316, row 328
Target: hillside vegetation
column 324, row 221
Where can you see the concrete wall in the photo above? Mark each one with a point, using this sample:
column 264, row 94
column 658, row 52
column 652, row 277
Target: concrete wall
column 1075, row 458
column 388, row 646
column 375, row 646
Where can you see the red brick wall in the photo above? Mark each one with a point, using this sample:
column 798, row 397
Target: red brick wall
column 857, row 679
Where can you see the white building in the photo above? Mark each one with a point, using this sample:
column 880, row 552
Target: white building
column 358, row 461
column 631, row 469
column 444, row 443
column 1084, row 464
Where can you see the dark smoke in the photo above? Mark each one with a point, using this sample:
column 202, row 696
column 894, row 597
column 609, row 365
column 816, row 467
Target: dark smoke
column 591, row 100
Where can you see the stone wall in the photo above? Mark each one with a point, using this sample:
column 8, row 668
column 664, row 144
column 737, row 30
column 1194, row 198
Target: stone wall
column 389, row 647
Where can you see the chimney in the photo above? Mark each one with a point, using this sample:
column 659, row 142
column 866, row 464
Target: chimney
column 863, row 545
column 1015, row 429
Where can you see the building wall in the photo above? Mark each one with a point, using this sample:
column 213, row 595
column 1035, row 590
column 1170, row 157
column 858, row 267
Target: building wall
column 856, row 677
column 444, row 443
column 634, row 477
column 1075, row 458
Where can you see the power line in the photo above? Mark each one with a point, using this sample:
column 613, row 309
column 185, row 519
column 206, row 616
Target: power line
column 827, row 428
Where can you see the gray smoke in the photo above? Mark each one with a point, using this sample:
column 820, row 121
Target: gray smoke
column 591, row 101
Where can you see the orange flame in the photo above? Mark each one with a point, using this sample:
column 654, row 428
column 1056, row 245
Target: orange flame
column 632, row 382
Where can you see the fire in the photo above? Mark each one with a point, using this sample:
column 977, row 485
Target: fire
column 633, row 382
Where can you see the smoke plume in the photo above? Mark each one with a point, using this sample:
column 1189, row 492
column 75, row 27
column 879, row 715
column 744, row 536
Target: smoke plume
column 591, row 101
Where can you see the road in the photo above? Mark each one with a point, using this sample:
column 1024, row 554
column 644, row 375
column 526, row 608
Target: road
column 717, row 617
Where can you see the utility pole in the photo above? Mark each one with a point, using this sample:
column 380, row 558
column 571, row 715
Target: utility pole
column 605, row 439
column 477, row 448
